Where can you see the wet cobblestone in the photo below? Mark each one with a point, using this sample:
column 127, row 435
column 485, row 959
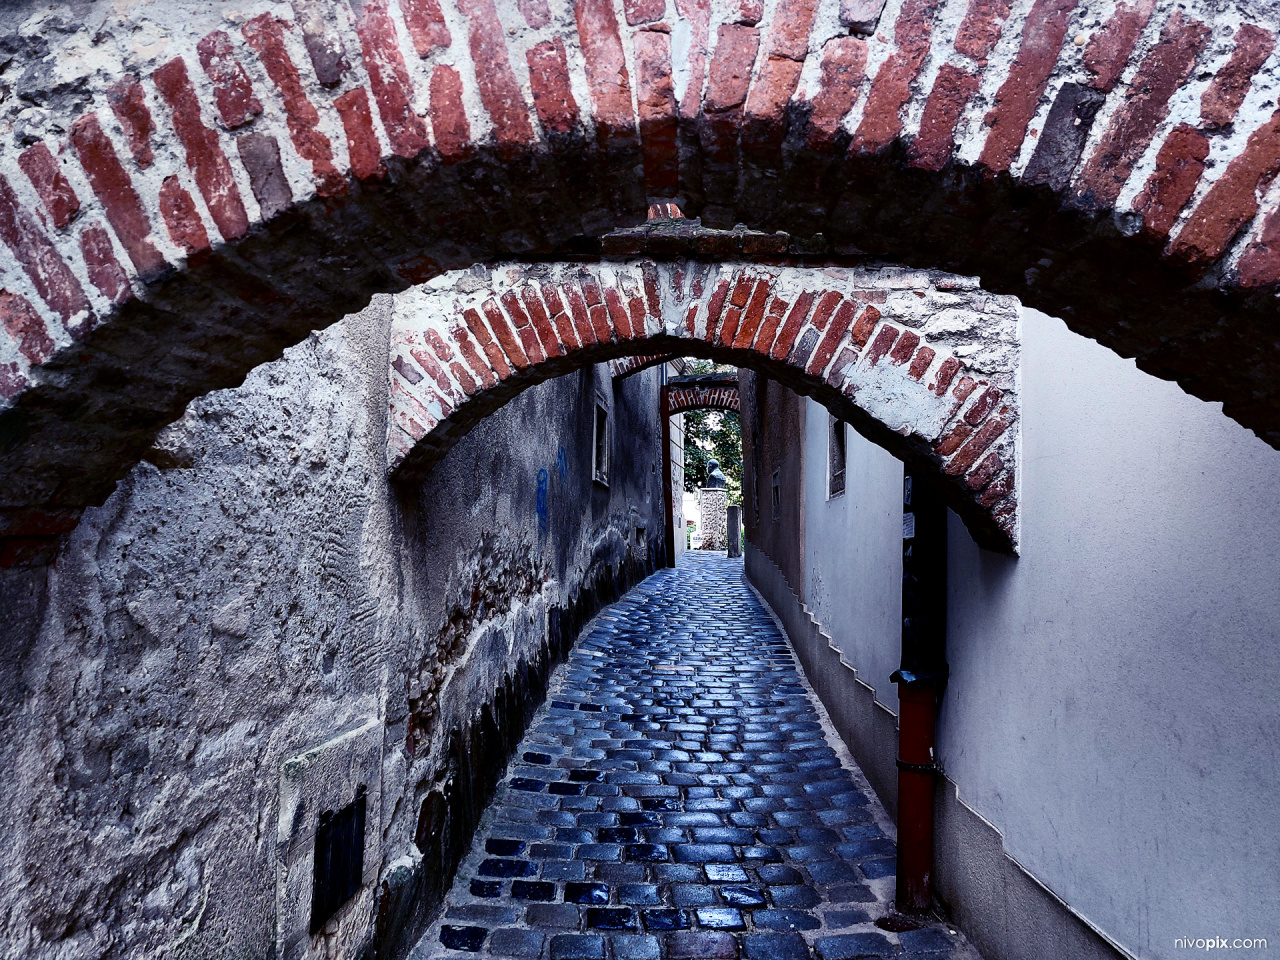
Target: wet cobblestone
column 678, row 797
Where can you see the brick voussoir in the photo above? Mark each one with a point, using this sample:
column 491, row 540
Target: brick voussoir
column 969, row 423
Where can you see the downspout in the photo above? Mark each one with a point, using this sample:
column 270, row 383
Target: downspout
column 921, row 680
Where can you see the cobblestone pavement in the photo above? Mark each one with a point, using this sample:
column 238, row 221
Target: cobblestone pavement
column 678, row 797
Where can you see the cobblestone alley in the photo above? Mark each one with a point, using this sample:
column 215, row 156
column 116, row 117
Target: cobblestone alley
column 677, row 796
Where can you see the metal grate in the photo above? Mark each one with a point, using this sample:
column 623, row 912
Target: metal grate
column 339, row 864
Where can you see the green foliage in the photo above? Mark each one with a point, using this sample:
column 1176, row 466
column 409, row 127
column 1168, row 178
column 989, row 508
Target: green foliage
column 712, row 435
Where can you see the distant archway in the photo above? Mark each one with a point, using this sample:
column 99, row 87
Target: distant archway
column 925, row 364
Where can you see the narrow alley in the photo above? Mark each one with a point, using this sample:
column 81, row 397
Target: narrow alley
column 678, row 796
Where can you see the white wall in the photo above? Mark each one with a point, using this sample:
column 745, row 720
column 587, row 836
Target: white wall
column 1114, row 704
column 853, row 552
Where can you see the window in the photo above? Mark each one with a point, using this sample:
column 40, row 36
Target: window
column 339, row 860
column 600, row 456
column 777, row 498
column 835, row 457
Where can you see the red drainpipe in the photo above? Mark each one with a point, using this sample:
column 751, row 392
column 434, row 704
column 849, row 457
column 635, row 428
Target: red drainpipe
column 917, row 715
column 920, row 681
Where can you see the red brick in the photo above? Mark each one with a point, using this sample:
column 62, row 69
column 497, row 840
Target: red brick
column 791, row 326
column 444, row 353
column 865, row 326
column 606, row 67
column 105, row 271
column 742, row 291
column 525, row 330
column 1232, row 200
column 635, row 307
column 976, row 445
column 840, row 325
column 980, row 29
column 181, row 217
column 41, row 168
column 591, row 290
column 1219, row 103
column 232, row 89
column 24, row 325
column 920, row 363
column 129, row 103
column 473, row 358
column 1163, row 70
column 714, row 305
column 656, row 107
column 982, row 474
column 555, row 310
column 449, row 122
column 600, row 322
column 425, row 22
column 952, row 441
column 1108, row 52
column 846, row 359
column 948, row 98
column 581, row 316
column 114, row 189
column 565, row 328
column 753, row 315
column 1015, row 102
column 644, row 11
column 946, row 371
column 324, row 46
column 500, row 92
column 769, row 328
column 1260, row 264
column 999, row 488
column 730, row 325
column 41, row 262
column 549, row 79
column 429, row 363
column 652, row 299
column 731, row 65
column 12, row 382
column 1179, row 166
column 389, row 78
column 844, row 64
column 765, row 122
column 962, row 390
column 266, row 36
column 618, row 316
column 407, row 370
column 536, row 13
column 491, row 349
column 882, row 343
column 891, row 89
column 507, row 336
column 905, row 347
column 208, row 163
column 981, row 407
column 541, row 322
column 362, row 140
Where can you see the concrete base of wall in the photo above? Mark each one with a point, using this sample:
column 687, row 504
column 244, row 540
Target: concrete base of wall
column 1006, row 913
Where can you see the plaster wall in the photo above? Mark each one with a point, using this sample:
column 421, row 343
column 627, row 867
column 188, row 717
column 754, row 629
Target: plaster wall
column 853, row 552
column 256, row 587
column 1112, row 703
column 1111, row 715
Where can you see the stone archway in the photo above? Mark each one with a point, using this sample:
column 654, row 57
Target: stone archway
column 706, row 392
column 179, row 210
column 923, row 363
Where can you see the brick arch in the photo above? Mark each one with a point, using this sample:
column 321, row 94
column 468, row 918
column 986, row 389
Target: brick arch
column 685, row 394
column 925, row 364
column 181, row 210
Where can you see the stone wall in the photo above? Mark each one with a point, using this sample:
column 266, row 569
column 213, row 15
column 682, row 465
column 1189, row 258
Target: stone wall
column 255, row 587
column 711, row 507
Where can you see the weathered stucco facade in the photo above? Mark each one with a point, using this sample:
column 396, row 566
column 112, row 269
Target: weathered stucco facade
column 254, row 588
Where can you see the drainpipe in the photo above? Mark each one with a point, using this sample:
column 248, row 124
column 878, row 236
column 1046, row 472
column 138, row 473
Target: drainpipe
column 921, row 680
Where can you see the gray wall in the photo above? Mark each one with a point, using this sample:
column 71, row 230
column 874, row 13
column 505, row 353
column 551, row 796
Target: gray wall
column 853, row 552
column 1112, row 709
column 251, row 591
